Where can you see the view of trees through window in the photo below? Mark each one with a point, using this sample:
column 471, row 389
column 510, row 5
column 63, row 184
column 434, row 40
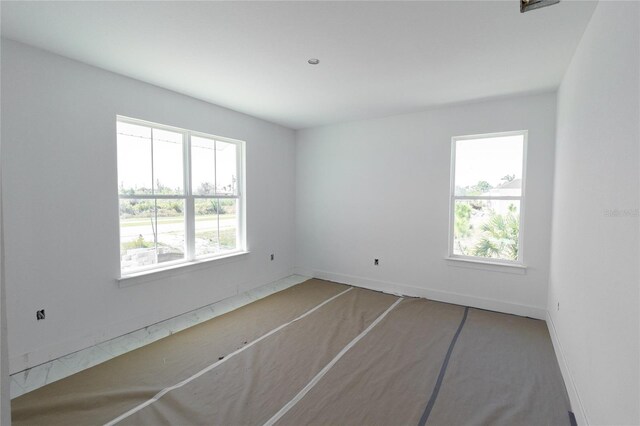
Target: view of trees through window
column 157, row 202
column 487, row 196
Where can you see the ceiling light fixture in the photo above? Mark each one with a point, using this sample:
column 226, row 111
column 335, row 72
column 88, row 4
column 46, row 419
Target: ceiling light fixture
column 527, row 5
column 314, row 61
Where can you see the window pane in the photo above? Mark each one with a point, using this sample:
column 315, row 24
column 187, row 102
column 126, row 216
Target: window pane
column 487, row 228
column 206, row 215
column 137, row 230
column 171, row 230
column 216, row 226
column 226, row 165
column 167, row 162
column 151, row 232
column 203, row 175
column 489, row 166
column 228, row 224
column 134, row 159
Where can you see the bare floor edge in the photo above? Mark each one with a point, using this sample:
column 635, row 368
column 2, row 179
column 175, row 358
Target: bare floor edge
column 36, row 376
column 101, row 393
column 395, row 365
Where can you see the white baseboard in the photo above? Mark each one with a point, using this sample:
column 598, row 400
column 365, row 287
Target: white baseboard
column 55, row 368
column 570, row 384
column 439, row 295
column 41, row 355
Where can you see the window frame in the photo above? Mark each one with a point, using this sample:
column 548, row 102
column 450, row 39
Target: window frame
column 453, row 198
column 189, row 200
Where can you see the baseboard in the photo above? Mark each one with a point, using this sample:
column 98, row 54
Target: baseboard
column 56, row 368
column 570, row 384
column 42, row 355
column 439, row 295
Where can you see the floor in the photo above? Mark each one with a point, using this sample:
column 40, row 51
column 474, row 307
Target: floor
column 322, row 353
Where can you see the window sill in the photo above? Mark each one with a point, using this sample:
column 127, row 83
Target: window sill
column 176, row 269
column 510, row 268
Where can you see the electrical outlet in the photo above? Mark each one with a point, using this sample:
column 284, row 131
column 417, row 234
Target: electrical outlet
column 375, row 262
column 40, row 314
column 272, row 256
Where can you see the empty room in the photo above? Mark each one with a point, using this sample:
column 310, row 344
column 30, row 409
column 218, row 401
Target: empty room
column 320, row 213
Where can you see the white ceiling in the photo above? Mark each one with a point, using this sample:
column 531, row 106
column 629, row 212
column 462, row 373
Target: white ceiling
column 376, row 58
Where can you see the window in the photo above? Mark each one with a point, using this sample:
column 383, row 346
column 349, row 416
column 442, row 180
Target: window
column 487, row 197
column 181, row 195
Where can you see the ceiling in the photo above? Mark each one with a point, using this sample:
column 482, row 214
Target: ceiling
column 376, row 58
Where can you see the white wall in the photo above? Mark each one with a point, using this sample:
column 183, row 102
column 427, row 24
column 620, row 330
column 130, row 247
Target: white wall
column 380, row 189
column 595, row 254
column 60, row 202
column 5, row 402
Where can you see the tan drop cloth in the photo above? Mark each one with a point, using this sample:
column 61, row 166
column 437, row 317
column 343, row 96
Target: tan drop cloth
column 254, row 385
column 101, row 393
column 387, row 378
column 501, row 370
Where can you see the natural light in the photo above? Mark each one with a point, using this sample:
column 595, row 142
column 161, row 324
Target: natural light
column 487, row 197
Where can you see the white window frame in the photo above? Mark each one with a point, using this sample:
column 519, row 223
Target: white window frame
column 453, row 198
column 189, row 198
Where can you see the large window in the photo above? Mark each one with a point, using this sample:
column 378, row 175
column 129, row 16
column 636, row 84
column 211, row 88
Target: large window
column 181, row 195
column 487, row 197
